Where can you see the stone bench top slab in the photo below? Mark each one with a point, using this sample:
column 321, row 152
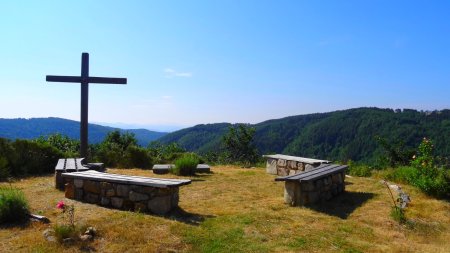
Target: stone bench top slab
column 71, row 164
column 297, row 159
column 124, row 179
column 316, row 173
column 163, row 166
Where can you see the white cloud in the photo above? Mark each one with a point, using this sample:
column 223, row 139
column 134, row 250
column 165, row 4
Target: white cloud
column 169, row 73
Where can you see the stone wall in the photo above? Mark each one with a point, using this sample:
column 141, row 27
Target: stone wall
column 322, row 189
column 123, row 196
column 282, row 167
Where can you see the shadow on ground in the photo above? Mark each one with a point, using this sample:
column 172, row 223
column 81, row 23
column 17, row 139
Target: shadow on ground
column 343, row 205
column 181, row 215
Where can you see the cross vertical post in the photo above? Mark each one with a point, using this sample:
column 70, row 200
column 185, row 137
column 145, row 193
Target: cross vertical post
column 84, row 80
column 84, row 104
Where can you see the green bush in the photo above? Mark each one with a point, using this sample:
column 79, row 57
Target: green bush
column 4, row 169
column 137, row 157
column 404, row 174
column 360, row 170
column 13, row 205
column 186, row 165
column 398, row 214
column 64, row 231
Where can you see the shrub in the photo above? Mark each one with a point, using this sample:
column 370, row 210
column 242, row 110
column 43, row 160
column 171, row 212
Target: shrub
column 360, row 170
column 404, row 174
column 137, row 157
column 33, row 158
column 4, row 169
column 186, row 165
column 13, row 205
column 63, row 231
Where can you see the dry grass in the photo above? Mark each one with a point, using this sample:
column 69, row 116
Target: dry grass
column 242, row 210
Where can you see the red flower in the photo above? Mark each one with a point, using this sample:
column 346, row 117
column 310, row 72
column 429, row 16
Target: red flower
column 61, row 205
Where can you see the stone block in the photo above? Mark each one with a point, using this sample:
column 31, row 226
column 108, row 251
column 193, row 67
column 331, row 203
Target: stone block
column 91, row 186
column 144, row 189
column 283, row 171
column 106, row 185
column 292, row 165
column 78, row 183
column 110, row 193
column 91, row 198
column 293, row 172
column 319, row 184
column 292, row 193
column 123, row 190
column 117, row 202
column 136, row 196
column 59, row 180
column 271, row 166
column 301, row 166
column 105, row 201
column 70, row 190
column 175, row 198
column 308, row 167
column 128, row 205
column 160, row 204
column 281, row 163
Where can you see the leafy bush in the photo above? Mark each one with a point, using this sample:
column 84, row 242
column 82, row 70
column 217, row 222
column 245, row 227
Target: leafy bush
column 4, row 169
column 239, row 145
column 13, row 205
column 186, row 165
column 69, row 147
column 136, row 157
column 404, row 174
column 63, row 231
column 33, row 158
column 359, row 170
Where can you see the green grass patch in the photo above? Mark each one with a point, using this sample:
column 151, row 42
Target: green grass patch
column 360, row 170
column 13, row 205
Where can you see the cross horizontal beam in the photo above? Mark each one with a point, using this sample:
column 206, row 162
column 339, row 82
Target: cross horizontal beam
column 90, row 79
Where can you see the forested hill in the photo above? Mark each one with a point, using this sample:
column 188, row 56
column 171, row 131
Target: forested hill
column 339, row 135
column 35, row 127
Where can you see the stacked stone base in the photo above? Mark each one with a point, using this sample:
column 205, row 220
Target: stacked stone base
column 122, row 196
column 322, row 189
column 283, row 167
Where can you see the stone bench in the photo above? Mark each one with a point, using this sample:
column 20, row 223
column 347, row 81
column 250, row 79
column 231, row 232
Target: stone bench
column 155, row 195
column 165, row 168
column 284, row 165
column 319, row 184
column 67, row 165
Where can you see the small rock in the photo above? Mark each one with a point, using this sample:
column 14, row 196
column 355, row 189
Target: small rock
column 68, row 240
column 86, row 237
column 90, row 231
column 51, row 238
column 48, row 233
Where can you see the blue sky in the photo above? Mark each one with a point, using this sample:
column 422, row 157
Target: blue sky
column 192, row 62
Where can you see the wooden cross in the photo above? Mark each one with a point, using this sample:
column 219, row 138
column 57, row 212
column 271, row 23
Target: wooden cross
column 84, row 80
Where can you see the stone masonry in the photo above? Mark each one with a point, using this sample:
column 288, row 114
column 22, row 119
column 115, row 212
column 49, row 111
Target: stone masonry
column 323, row 189
column 283, row 165
column 123, row 196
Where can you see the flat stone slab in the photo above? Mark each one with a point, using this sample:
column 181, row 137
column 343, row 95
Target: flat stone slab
column 203, row 168
column 316, row 173
column 297, row 159
column 162, row 168
column 127, row 180
column 70, row 164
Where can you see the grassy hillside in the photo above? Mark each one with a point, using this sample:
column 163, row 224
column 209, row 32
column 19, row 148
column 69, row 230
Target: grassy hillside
column 340, row 135
column 35, row 127
column 242, row 210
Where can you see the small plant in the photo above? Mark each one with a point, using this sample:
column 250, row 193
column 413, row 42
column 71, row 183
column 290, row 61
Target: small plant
column 186, row 165
column 68, row 211
column 359, row 170
column 13, row 205
column 399, row 204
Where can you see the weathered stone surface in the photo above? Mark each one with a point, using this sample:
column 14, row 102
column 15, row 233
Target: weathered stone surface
column 92, row 198
column 106, row 185
column 292, row 165
column 123, row 190
column 105, row 201
column 59, row 180
column 84, row 238
column 91, row 186
column 319, row 184
column 78, row 183
column 128, row 204
column 110, row 193
column 293, row 172
column 313, row 196
column 175, row 198
column 117, row 202
column 308, row 167
column 336, row 178
column 160, row 204
column 144, row 189
column 70, row 190
column 271, row 166
column 283, row 171
column 301, row 166
column 281, row 163
column 136, row 196
column 292, row 193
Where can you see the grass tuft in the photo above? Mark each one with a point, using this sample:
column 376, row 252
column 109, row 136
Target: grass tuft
column 13, row 205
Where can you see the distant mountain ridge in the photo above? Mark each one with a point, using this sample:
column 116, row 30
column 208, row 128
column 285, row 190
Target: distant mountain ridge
column 33, row 128
column 338, row 135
